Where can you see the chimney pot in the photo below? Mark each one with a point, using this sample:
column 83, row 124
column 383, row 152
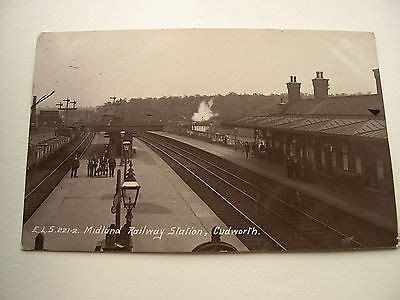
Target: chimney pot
column 321, row 86
column 293, row 89
column 378, row 82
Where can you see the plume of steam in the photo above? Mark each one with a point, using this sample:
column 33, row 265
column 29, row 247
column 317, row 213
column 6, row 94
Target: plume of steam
column 204, row 112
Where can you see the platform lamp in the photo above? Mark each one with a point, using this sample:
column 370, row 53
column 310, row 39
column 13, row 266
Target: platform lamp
column 210, row 129
column 126, row 145
column 130, row 192
column 235, row 138
column 122, row 135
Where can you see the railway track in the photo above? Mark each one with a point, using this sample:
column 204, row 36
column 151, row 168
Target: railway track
column 240, row 204
column 37, row 194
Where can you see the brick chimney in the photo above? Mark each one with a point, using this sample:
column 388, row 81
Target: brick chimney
column 321, row 86
column 378, row 82
column 293, row 89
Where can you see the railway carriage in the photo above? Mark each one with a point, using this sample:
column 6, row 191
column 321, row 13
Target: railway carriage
column 38, row 152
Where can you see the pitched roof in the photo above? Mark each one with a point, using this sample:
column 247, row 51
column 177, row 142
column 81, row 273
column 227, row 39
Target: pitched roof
column 343, row 115
column 346, row 126
column 354, row 105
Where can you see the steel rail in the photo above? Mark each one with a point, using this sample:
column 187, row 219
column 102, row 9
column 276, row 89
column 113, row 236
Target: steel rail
column 279, row 244
column 262, row 191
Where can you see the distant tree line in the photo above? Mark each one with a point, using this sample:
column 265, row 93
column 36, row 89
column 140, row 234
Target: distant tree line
column 180, row 109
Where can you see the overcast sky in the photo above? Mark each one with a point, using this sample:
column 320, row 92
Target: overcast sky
column 92, row 66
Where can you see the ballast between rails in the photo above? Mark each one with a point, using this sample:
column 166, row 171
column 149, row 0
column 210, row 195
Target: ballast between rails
column 266, row 193
column 246, row 195
column 268, row 235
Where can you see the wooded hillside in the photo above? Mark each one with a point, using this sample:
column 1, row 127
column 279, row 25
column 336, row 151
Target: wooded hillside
column 181, row 109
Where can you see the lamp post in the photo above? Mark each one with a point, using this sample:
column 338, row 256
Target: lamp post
column 125, row 148
column 235, row 138
column 210, row 127
column 130, row 192
column 116, row 207
column 122, row 134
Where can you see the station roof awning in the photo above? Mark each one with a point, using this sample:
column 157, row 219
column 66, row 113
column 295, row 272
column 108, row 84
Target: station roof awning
column 347, row 126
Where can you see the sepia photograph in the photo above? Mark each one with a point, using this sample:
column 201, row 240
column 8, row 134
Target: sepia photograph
column 208, row 140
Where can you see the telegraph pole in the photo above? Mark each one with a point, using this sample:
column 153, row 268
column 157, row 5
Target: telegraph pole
column 116, row 103
column 66, row 110
column 67, row 107
column 35, row 102
column 41, row 99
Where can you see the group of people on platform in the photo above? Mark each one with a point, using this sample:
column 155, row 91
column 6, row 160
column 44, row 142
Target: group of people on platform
column 297, row 168
column 257, row 150
column 102, row 166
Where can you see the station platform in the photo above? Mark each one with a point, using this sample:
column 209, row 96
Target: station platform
column 375, row 212
column 165, row 204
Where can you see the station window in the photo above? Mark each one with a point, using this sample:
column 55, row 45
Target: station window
column 334, row 163
column 292, row 149
column 358, row 165
column 345, row 156
column 379, row 170
column 323, row 157
column 312, row 155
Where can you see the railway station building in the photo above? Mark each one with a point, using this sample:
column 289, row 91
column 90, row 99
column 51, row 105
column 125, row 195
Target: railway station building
column 342, row 137
column 49, row 118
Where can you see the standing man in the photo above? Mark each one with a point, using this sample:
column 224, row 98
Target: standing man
column 74, row 166
column 111, row 166
column 103, row 165
column 262, row 150
column 95, row 164
column 89, row 167
column 247, row 149
column 92, row 167
column 253, row 150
